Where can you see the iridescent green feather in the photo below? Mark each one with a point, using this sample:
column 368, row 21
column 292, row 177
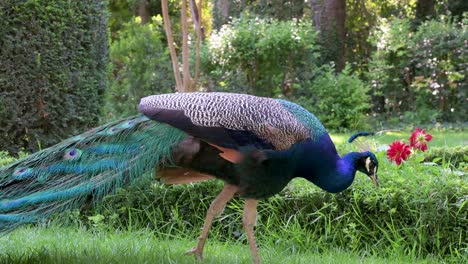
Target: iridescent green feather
column 306, row 118
column 90, row 165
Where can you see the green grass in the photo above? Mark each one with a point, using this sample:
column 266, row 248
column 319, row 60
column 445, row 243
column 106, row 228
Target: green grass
column 75, row 245
column 440, row 138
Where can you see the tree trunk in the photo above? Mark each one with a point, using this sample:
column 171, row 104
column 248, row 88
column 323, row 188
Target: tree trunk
column 186, row 76
column 329, row 18
column 197, row 21
column 170, row 42
column 143, row 11
column 184, row 80
column 225, row 8
column 196, row 17
column 425, row 9
column 221, row 11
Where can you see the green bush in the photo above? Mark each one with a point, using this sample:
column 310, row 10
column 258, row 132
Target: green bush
column 280, row 59
column 6, row 159
column 260, row 56
column 455, row 156
column 340, row 101
column 140, row 66
column 53, row 61
column 420, row 75
column 281, row 10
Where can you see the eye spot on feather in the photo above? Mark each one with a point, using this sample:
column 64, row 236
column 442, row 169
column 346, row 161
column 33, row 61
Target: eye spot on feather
column 21, row 173
column 72, row 154
column 124, row 125
column 113, row 130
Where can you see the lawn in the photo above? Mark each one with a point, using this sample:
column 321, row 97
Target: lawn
column 76, row 245
column 440, row 138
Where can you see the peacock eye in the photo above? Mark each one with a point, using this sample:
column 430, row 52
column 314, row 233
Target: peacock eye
column 113, row 130
column 22, row 173
column 72, row 154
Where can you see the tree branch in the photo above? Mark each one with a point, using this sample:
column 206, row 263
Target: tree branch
column 170, row 42
column 197, row 18
column 187, row 80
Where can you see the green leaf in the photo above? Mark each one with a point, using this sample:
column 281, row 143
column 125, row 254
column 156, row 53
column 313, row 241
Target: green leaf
column 419, row 158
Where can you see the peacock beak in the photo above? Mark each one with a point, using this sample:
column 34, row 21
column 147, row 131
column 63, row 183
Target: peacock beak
column 374, row 179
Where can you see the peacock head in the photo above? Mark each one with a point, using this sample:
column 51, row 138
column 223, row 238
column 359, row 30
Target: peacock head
column 368, row 164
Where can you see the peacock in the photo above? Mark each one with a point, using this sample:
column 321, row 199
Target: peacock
column 255, row 145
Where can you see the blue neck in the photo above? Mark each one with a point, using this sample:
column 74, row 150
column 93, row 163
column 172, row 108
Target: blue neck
column 318, row 162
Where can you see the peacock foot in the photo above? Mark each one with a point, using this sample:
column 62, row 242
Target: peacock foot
column 196, row 251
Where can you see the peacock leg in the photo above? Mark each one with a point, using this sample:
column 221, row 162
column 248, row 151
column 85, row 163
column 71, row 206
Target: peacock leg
column 248, row 219
column 216, row 208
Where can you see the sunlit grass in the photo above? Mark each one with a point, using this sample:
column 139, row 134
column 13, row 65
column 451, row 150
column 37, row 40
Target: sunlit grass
column 75, row 245
column 440, row 138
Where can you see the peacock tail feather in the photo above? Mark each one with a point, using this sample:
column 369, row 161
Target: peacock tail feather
column 83, row 168
column 360, row 134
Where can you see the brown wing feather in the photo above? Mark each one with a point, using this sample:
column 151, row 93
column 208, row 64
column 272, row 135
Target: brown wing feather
column 181, row 176
column 231, row 155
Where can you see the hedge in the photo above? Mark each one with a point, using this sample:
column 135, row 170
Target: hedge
column 53, row 60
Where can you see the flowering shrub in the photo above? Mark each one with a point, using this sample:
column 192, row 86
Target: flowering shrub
column 264, row 57
column 419, row 139
column 419, row 74
column 399, row 151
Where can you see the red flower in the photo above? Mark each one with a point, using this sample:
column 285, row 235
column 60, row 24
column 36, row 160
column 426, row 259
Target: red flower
column 419, row 139
column 398, row 152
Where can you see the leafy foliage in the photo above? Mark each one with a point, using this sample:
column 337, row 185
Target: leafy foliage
column 280, row 58
column 53, row 70
column 421, row 75
column 281, row 10
column 340, row 101
column 140, row 66
column 124, row 11
column 260, row 56
column 6, row 159
column 457, row 157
